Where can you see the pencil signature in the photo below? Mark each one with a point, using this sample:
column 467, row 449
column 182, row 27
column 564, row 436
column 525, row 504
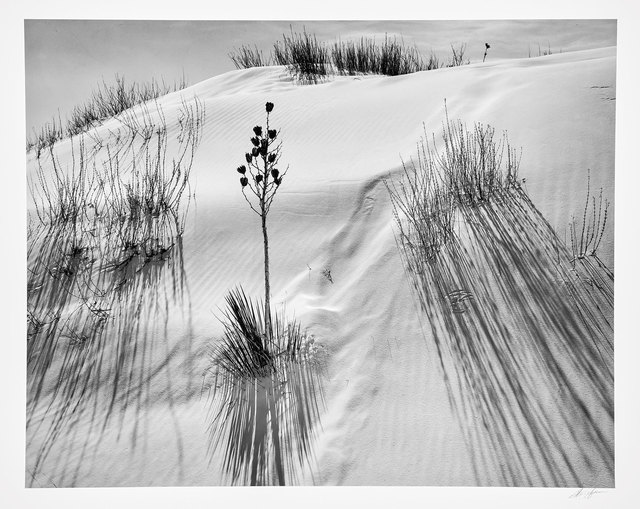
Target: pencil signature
column 585, row 493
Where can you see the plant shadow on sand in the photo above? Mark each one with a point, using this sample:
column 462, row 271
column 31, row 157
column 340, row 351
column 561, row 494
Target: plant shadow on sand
column 105, row 271
column 522, row 325
column 265, row 400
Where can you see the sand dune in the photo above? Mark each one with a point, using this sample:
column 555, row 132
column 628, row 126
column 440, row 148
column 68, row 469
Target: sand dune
column 386, row 413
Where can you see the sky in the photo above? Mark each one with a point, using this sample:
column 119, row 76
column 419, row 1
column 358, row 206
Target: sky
column 66, row 59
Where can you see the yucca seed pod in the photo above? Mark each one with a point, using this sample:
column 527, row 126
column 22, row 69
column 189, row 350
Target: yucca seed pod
column 272, row 157
column 275, row 173
column 258, row 178
column 272, row 133
column 257, row 130
column 264, row 144
column 263, row 150
column 255, row 140
column 242, row 169
column 248, row 157
column 269, row 107
column 255, row 151
column 278, row 181
column 244, row 181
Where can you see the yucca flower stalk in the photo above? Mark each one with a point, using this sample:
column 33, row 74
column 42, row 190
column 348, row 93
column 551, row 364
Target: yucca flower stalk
column 260, row 180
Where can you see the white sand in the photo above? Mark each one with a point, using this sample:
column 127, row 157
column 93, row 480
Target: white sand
column 386, row 418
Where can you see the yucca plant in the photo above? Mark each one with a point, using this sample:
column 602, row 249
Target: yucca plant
column 266, row 394
column 260, row 180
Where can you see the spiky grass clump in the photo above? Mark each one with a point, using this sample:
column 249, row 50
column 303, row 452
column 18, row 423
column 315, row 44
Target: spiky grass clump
column 265, row 394
column 247, row 57
column 457, row 56
column 245, row 350
column 303, row 55
column 392, row 58
column 311, row 60
column 49, row 134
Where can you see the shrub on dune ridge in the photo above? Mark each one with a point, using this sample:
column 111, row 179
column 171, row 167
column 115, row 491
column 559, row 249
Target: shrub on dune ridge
column 303, row 55
column 312, row 60
column 392, row 58
column 105, row 102
column 132, row 181
column 457, row 55
column 246, row 57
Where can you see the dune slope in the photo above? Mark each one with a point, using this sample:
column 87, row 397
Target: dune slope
column 394, row 406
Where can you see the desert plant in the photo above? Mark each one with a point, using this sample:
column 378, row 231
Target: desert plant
column 469, row 171
column 263, row 179
column 49, row 134
column 106, row 101
column 486, row 49
column 392, row 58
column 594, row 221
column 471, row 164
column 326, row 273
column 267, row 391
column 423, row 209
column 311, row 60
column 248, row 350
column 457, row 55
column 132, row 180
column 304, row 55
column 243, row 351
column 541, row 52
column 246, row 57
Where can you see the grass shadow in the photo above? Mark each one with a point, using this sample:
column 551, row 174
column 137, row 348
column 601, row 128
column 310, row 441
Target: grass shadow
column 522, row 326
column 103, row 282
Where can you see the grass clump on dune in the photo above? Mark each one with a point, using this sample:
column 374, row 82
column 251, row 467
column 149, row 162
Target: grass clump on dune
column 247, row 350
column 472, row 168
column 392, row 58
column 246, row 57
column 107, row 101
column 312, row 60
column 265, row 395
column 131, row 181
column 303, row 55
column 474, row 165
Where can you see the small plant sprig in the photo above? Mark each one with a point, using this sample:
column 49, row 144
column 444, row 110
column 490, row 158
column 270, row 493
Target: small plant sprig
column 262, row 178
column 593, row 226
column 486, row 49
